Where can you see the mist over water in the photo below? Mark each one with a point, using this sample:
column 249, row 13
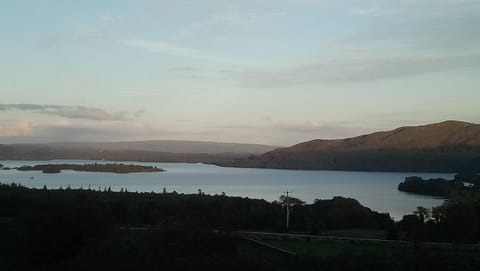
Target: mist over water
column 375, row 190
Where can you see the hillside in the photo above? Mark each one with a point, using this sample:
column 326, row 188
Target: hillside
column 448, row 146
column 411, row 137
column 168, row 146
column 155, row 151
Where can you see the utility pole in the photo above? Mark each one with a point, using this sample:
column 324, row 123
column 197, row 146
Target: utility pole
column 287, row 205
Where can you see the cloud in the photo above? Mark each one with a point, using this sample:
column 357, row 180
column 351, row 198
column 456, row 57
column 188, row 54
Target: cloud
column 182, row 69
column 443, row 6
column 360, row 70
column 73, row 112
column 364, row 11
column 437, row 2
column 222, row 24
column 16, row 128
column 104, row 26
column 361, row 11
column 313, row 129
column 171, row 49
column 235, row 17
column 319, row 128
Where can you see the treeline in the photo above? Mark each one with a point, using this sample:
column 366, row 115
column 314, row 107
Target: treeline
column 78, row 229
column 441, row 159
column 46, row 226
column 212, row 211
column 456, row 220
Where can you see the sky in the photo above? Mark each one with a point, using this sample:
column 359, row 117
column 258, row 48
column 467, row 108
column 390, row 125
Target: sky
column 273, row 72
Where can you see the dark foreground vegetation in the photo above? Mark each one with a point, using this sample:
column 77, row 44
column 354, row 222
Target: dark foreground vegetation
column 456, row 220
column 69, row 229
column 114, row 168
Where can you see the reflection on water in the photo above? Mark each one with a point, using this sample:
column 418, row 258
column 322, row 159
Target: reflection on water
column 376, row 190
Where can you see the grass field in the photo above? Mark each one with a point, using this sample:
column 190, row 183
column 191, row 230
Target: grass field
column 356, row 233
column 354, row 256
column 327, row 249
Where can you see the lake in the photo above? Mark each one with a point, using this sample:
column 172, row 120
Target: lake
column 376, row 190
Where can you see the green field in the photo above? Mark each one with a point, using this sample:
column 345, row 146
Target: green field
column 356, row 233
column 327, row 249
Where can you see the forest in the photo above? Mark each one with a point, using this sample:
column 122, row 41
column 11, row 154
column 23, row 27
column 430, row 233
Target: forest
column 447, row 159
column 76, row 229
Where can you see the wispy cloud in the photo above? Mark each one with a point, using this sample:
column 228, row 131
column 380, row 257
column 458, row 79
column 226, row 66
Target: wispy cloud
column 223, row 23
column 182, row 69
column 312, row 129
column 104, row 26
column 73, row 112
column 16, row 128
column 235, row 18
column 346, row 71
column 437, row 2
column 362, row 11
column 174, row 50
column 365, row 11
column 328, row 130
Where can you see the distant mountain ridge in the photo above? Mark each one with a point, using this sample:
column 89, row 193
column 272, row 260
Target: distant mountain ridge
column 151, row 151
column 170, row 146
column 448, row 146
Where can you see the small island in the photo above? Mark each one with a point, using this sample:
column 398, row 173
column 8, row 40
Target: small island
column 113, row 168
column 440, row 187
column 2, row 167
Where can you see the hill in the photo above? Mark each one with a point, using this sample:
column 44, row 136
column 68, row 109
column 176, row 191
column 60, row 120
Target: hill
column 449, row 146
column 154, row 151
column 168, row 146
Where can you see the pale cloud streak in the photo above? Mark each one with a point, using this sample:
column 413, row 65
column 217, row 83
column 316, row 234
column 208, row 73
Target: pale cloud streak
column 362, row 11
column 347, row 71
column 16, row 128
column 367, row 12
column 311, row 129
column 229, row 21
column 104, row 26
column 73, row 112
column 174, row 50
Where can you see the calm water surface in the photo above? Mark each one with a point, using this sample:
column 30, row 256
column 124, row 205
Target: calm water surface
column 376, row 190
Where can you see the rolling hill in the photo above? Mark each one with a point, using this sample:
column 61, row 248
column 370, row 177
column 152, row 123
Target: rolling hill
column 152, row 151
column 449, row 146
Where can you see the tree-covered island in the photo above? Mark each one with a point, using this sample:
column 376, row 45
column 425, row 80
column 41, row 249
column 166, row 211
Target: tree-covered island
column 441, row 187
column 113, row 168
